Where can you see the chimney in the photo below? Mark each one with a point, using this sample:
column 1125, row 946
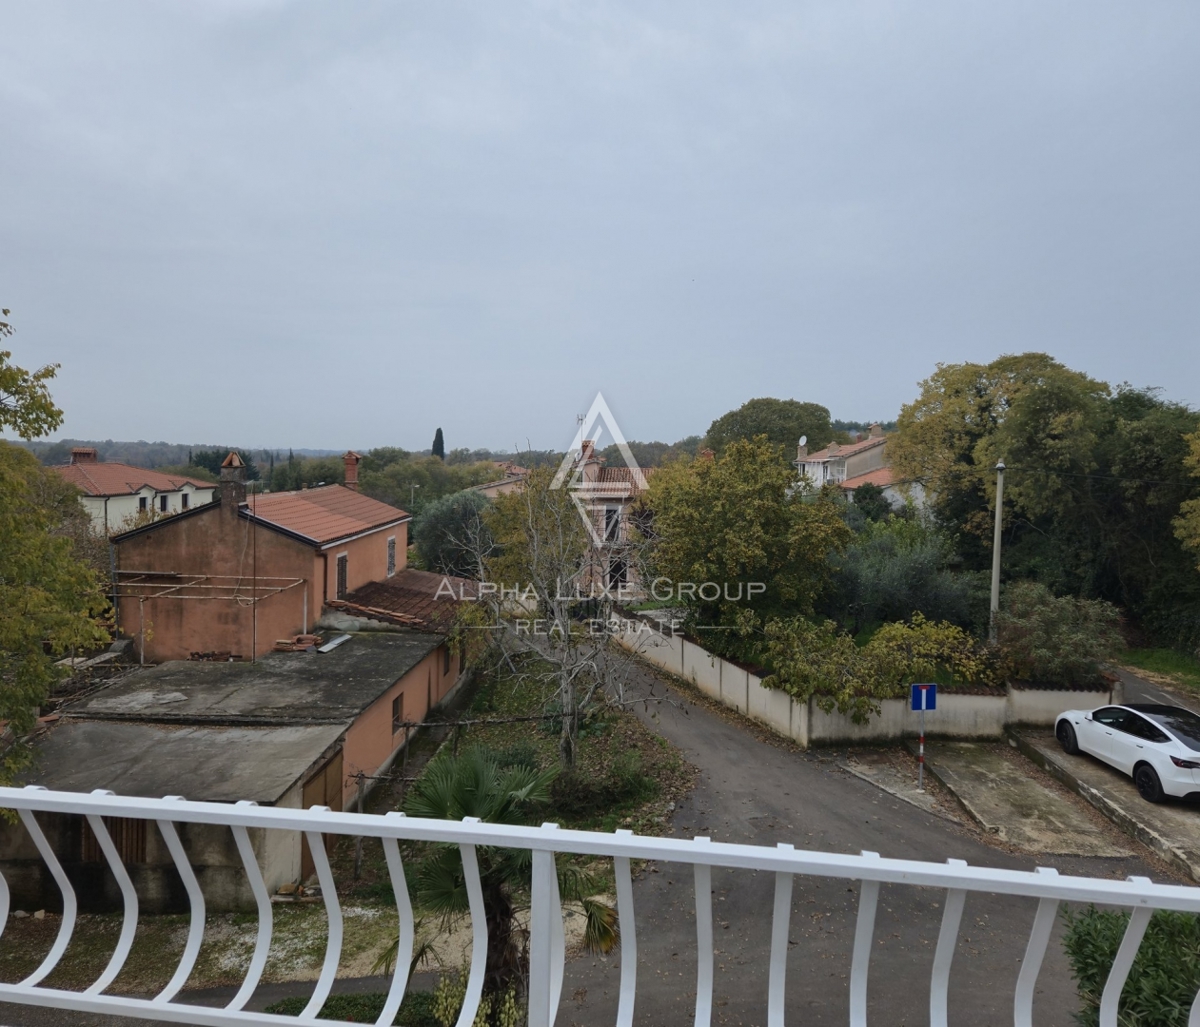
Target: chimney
column 589, row 451
column 802, row 450
column 351, row 460
column 833, row 449
column 876, row 431
column 707, row 455
column 233, row 480
column 83, row 455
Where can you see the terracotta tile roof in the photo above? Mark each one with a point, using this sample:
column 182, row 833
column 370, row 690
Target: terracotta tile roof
column 410, row 598
column 622, row 474
column 324, row 514
column 843, row 451
column 97, row 479
column 881, row 476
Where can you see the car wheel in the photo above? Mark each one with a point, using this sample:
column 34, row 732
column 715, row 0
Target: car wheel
column 1148, row 785
column 1066, row 738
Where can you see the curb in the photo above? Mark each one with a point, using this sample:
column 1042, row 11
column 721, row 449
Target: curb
column 1117, row 814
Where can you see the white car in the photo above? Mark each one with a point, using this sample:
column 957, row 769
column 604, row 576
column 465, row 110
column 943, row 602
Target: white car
column 1158, row 746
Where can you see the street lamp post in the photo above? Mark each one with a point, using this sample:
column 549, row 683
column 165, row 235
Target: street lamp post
column 412, row 489
column 993, row 630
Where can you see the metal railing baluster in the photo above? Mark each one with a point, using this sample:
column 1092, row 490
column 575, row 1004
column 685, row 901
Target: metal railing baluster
column 781, row 922
column 404, row 946
column 952, row 878
column 479, row 932
column 195, row 897
column 541, row 954
column 1035, row 952
column 70, row 906
column 628, row 927
column 266, row 919
column 128, row 897
column 333, row 912
column 939, row 983
column 864, row 933
column 1139, row 920
column 704, row 943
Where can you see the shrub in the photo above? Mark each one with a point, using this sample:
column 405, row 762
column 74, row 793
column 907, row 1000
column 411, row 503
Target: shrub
column 1165, row 976
column 417, row 1009
column 819, row 661
column 578, row 795
column 1056, row 640
column 449, row 533
column 893, row 569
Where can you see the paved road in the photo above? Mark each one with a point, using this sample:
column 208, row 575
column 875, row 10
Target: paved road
column 753, row 790
column 1138, row 689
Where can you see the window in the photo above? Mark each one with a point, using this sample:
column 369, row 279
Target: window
column 141, row 502
column 183, row 501
column 1139, row 727
column 398, row 713
column 342, row 562
column 162, row 504
column 612, row 523
column 129, row 836
column 1111, row 716
column 445, row 659
column 391, row 556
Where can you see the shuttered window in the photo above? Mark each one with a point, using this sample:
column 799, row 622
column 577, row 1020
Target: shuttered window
column 129, row 836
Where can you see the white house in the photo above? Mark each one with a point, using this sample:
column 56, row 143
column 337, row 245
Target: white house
column 116, row 493
column 851, row 465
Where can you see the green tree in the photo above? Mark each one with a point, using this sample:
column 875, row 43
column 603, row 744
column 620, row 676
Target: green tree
column 736, row 520
column 872, row 503
column 49, row 598
column 782, row 421
column 1095, row 479
column 896, row 568
column 474, row 784
column 449, row 532
column 439, row 445
column 1187, row 524
column 416, row 481
column 25, row 403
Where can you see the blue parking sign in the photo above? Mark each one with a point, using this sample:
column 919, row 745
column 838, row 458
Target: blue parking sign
column 924, row 697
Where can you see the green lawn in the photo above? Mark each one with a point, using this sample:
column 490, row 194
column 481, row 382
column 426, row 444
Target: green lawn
column 1179, row 667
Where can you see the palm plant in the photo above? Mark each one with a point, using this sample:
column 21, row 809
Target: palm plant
column 474, row 784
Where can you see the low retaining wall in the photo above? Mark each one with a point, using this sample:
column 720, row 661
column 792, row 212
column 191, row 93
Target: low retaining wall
column 958, row 715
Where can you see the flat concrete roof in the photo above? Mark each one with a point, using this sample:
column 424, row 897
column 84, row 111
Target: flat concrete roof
column 215, row 764
column 280, row 689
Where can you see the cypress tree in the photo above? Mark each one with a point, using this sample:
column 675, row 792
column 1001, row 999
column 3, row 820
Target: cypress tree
column 439, row 445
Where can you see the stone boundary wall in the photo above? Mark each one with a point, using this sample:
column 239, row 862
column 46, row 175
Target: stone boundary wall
column 957, row 715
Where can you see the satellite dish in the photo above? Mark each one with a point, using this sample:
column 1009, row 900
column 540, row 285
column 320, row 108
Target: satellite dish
column 804, row 440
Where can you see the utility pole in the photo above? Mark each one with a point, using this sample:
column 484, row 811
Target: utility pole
column 993, row 631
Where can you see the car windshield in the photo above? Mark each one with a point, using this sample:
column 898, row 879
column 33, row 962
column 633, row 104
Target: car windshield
column 1183, row 724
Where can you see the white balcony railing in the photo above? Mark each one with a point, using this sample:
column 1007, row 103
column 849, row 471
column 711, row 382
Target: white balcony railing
column 547, row 949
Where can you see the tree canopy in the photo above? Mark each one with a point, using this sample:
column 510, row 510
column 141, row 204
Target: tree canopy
column 782, row 421
column 25, row 403
column 1095, row 481
column 450, row 532
column 739, row 519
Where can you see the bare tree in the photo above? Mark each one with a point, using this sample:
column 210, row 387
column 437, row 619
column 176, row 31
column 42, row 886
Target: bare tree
column 550, row 597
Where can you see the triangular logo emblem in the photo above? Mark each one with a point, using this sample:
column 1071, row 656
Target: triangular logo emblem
column 570, row 473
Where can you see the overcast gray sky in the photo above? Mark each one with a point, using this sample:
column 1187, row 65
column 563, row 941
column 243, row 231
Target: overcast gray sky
column 340, row 224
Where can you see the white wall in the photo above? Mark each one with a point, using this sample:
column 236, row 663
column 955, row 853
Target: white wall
column 117, row 508
column 957, row 715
